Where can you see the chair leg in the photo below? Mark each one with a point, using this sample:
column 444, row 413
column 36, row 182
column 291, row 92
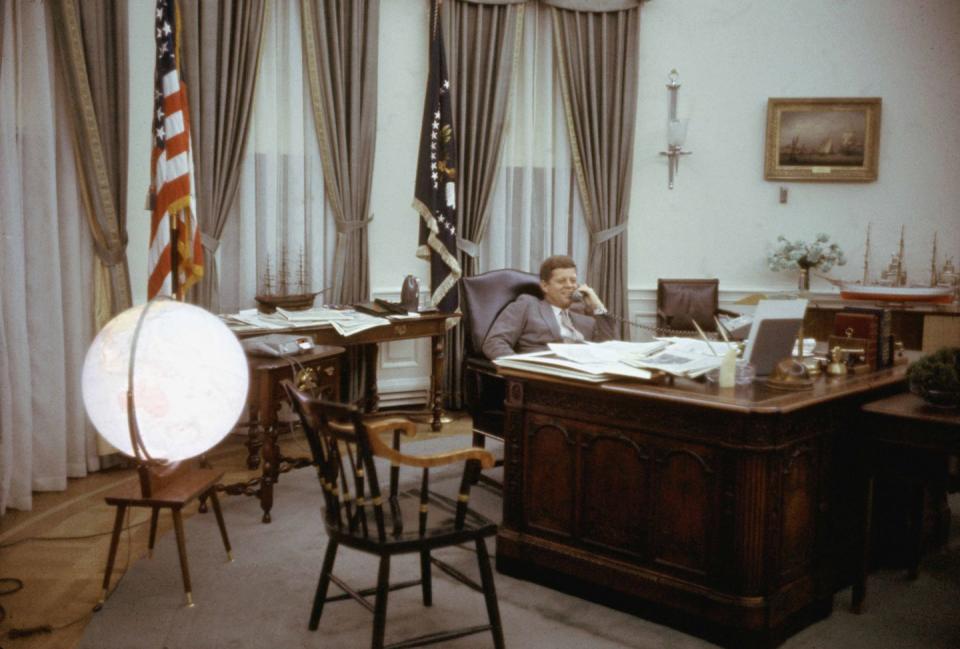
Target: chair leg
column 215, row 501
column 426, row 582
column 380, row 608
column 490, row 593
column 112, row 553
column 182, row 550
column 321, row 596
column 154, row 515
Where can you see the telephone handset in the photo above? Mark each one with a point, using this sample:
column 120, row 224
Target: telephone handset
column 576, row 296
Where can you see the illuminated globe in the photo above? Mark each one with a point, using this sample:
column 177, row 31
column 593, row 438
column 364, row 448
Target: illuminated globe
column 189, row 379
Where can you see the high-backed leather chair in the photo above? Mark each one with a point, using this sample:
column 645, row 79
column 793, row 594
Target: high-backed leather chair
column 681, row 301
column 482, row 298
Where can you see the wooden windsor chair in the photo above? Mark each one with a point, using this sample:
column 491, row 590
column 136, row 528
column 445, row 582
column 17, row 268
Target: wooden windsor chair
column 360, row 515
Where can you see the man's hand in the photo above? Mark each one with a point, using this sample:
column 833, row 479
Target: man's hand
column 590, row 299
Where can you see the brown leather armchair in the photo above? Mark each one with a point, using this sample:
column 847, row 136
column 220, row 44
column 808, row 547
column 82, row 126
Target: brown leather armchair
column 681, row 301
column 482, row 298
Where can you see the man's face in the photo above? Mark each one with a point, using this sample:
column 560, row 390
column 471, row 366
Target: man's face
column 562, row 283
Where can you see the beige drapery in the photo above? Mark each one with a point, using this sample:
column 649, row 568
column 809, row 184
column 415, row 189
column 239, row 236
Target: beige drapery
column 483, row 41
column 340, row 53
column 597, row 56
column 221, row 46
column 91, row 46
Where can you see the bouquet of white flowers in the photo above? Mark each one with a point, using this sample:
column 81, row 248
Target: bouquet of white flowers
column 820, row 254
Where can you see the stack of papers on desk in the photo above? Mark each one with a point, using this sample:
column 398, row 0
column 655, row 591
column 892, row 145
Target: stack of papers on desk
column 346, row 321
column 591, row 362
column 599, row 362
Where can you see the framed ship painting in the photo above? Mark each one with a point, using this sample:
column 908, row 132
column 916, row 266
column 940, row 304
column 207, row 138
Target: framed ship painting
column 822, row 139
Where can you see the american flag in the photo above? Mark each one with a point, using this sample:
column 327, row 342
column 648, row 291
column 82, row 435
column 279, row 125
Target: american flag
column 435, row 192
column 171, row 169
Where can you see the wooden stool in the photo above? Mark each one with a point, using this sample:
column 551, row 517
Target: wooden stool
column 193, row 484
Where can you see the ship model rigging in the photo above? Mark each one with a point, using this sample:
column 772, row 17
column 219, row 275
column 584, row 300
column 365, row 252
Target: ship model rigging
column 276, row 293
column 892, row 285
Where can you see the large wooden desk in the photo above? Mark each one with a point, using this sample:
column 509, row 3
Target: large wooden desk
column 431, row 325
column 731, row 513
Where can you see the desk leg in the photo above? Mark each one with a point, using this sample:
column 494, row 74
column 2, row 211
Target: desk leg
column 271, row 464
column 436, row 379
column 859, row 591
column 371, row 397
column 253, row 442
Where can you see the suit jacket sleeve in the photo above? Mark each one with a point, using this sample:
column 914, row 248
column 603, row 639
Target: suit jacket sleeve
column 605, row 329
column 505, row 332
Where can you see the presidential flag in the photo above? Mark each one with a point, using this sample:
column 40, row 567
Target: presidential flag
column 174, row 232
column 435, row 194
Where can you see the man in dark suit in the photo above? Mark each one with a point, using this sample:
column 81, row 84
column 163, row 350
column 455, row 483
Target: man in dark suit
column 528, row 324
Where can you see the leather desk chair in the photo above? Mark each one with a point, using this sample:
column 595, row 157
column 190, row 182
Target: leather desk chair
column 482, row 298
column 680, row 301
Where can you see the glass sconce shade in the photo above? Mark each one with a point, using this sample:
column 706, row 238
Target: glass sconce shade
column 189, row 378
column 677, row 132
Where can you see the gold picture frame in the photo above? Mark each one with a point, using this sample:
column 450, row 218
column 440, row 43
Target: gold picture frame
column 824, row 139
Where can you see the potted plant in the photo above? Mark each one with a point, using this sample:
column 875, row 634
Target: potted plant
column 819, row 255
column 936, row 378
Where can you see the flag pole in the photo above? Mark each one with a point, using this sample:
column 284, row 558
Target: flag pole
column 175, row 257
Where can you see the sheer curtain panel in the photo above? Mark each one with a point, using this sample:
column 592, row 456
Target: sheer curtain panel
column 279, row 221
column 534, row 211
column 46, row 265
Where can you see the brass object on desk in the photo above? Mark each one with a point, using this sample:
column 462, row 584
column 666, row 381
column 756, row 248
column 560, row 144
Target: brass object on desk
column 813, row 365
column 837, row 365
column 790, row 374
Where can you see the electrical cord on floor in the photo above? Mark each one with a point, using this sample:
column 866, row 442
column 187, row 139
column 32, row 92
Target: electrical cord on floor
column 63, row 538
column 46, row 629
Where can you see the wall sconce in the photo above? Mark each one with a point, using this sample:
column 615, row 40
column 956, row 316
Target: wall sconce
column 676, row 131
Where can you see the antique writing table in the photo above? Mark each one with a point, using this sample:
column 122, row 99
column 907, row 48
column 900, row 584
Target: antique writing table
column 266, row 393
column 432, row 325
column 733, row 513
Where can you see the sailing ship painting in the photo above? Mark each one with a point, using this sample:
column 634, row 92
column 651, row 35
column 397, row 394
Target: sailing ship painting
column 892, row 285
column 822, row 138
column 276, row 291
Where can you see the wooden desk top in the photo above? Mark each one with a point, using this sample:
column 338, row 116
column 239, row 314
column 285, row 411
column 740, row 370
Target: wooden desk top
column 319, row 352
column 910, row 406
column 757, row 398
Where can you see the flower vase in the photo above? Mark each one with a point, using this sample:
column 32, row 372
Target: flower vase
column 803, row 282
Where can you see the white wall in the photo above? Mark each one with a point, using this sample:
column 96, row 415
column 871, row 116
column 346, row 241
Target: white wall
column 732, row 56
column 722, row 216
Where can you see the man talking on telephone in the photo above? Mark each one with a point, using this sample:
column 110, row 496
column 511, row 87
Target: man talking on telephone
column 528, row 324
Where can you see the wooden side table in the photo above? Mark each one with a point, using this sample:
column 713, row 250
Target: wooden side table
column 902, row 422
column 319, row 366
column 198, row 483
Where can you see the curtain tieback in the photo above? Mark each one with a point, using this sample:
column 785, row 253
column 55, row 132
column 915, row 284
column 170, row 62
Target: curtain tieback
column 468, row 247
column 344, row 227
column 208, row 242
column 605, row 235
column 112, row 255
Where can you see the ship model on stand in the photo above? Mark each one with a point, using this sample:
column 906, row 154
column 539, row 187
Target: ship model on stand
column 276, row 293
column 892, row 285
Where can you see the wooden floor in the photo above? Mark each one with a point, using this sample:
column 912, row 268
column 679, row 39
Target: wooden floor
column 62, row 578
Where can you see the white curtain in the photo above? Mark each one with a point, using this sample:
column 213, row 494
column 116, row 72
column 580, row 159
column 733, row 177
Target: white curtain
column 46, row 272
column 535, row 211
column 280, row 215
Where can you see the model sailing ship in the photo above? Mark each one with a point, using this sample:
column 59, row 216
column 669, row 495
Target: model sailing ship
column 892, row 285
column 273, row 297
